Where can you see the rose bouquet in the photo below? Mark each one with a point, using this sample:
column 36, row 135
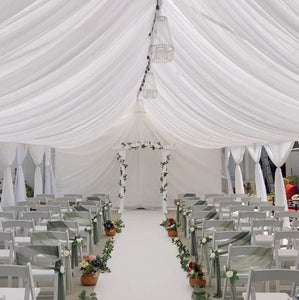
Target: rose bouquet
column 195, row 270
column 92, row 264
column 170, row 224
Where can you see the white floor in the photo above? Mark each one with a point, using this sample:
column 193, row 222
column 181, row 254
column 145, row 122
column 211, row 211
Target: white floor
column 144, row 265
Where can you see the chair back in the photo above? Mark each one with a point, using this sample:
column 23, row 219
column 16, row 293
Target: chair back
column 24, row 273
column 20, row 227
column 37, row 216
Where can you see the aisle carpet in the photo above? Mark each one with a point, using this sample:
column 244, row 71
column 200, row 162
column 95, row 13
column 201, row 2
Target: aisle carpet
column 143, row 264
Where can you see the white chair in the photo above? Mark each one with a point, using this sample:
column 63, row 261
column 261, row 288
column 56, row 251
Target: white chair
column 262, row 231
column 286, row 247
column 21, row 228
column 244, row 219
column 42, row 259
column 243, row 258
column 39, row 217
column 267, row 276
column 7, row 253
column 55, row 210
column 224, row 208
column 235, row 209
column 251, row 201
column 24, row 274
column 209, row 226
column 51, row 238
column 270, row 210
column 65, row 205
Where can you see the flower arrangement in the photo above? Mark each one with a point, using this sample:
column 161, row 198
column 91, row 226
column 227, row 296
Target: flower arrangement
column 206, row 239
column 195, row 270
column 231, row 274
column 170, row 224
column 92, row 264
column 183, row 253
column 199, row 294
column 108, row 225
column 59, row 267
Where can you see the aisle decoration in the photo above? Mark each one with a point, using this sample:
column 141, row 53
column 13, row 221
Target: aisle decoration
column 163, row 178
column 171, row 227
column 196, row 274
column 90, row 266
column 109, row 228
column 232, row 276
column 123, row 175
column 214, row 256
column 84, row 296
column 119, row 224
column 199, row 294
column 60, row 270
column 76, row 243
column 204, row 242
column 183, row 255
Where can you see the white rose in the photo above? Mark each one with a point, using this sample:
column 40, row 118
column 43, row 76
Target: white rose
column 180, row 209
column 229, row 274
column 184, row 214
column 95, row 220
column 88, row 228
column 212, row 255
column 204, row 240
column 66, row 253
column 100, row 213
column 61, row 270
column 110, row 204
column 175, row 239
column 192, row 272
column 79, row 240
column 105, row 207
column 192, row 229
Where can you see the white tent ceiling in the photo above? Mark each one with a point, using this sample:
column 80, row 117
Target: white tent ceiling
column 70, row 70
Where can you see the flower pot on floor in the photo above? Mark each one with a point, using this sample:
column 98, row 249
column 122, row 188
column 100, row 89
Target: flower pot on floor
column 110, row 232
column 89, row 279
column 197, row 281
column 172, row 233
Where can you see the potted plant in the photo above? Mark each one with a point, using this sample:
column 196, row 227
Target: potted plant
column 196, row 274
column 109, row 228
column 90, row 266
column 171, row 226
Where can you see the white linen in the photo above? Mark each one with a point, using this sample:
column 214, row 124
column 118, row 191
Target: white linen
column 20, row 188
column 238, row 154
column 227, row 174
column 138, row 276
column 255, row 152
column 37, row 154
column 7, row 157
column 49, row 173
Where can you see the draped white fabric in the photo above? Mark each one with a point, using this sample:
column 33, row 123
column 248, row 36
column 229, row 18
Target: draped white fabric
column 20, row 188
column 255, row 152
column 7, row 157
column 238, row 154
column 227, row 174
column 37, row 154
column 67, row 81
column 49, row 173
column 279, row 153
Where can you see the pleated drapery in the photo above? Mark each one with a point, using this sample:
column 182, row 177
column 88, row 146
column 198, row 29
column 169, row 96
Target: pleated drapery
column 37, row 154
column 20, row 188
column 255, row 152
column 227, row 174
column 7, row 157
column 238, row 154
column 49, row 173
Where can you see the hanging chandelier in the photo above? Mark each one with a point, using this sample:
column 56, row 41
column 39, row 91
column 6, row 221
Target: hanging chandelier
column 149, row 89
column 161, row 49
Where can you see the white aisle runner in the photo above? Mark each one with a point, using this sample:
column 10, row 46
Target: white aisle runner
column 144, row 265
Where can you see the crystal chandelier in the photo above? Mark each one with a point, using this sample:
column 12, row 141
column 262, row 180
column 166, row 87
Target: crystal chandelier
column 149, row 90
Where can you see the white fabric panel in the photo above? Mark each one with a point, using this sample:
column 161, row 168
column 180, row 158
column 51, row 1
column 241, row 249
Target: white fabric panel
column 279, row 153
column 20, row 189
column 96, row 169
column 49, row 173
column 7, row 157
column 238, row 154
column 37, row 154
column 255, row 152
column 227, row 174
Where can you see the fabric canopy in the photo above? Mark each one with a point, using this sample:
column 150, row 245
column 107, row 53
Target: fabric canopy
column 70, row 70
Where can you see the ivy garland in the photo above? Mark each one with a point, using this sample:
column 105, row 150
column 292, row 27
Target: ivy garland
column 163, row 178
column 123, row 175
column 137, row 145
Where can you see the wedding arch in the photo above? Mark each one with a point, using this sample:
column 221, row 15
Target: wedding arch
column 121, row 157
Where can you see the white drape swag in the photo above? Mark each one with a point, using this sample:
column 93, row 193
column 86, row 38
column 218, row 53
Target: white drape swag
column 37, row 154
column 20, row 188
column 238, row 154
column 279, row 153
column 49, row 173
column 227, row 174
column 7, row 157
column 255, row 152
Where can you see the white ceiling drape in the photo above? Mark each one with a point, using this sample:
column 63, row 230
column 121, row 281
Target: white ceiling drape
column 234, row 79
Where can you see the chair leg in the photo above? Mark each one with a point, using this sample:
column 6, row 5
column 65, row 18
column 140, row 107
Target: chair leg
column 224, row 288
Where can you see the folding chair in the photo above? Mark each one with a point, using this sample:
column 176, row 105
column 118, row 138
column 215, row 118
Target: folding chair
column 244, row 219
column 267, row 276
column 7, row 253
column 270, row 210
column 235, row 209
column 24, row 275
column 262, row 231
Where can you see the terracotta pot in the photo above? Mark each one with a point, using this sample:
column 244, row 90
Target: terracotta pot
column 172, row 233
column 197, row 281
column 89, row 279
column 110, row 232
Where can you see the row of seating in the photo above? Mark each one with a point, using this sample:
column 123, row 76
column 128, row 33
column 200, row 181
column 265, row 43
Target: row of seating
column 246, row 233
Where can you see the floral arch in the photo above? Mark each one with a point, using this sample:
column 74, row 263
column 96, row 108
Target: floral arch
column 121, row 157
